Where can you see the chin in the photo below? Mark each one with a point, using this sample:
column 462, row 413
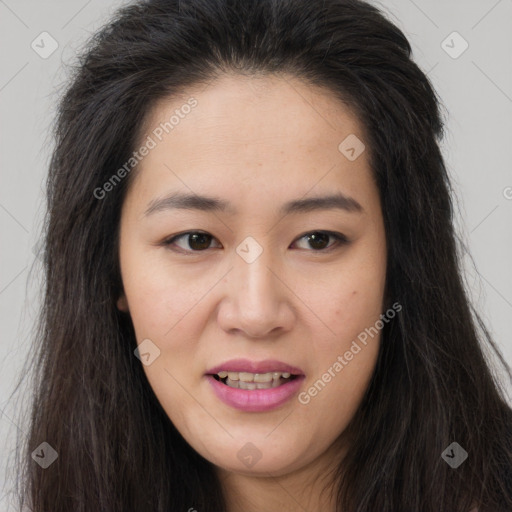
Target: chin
column 246, row 458
column 261, row 468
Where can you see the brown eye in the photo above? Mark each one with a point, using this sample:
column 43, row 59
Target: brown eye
column 192, row 241
column 320, row 240
column 199, row 241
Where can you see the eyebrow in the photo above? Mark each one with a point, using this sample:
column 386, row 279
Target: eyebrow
column 183, row 201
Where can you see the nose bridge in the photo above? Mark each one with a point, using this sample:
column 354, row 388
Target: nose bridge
column 258, row 300
column 255, row 282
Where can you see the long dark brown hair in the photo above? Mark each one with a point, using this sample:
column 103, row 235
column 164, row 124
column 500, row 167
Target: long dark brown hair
column 433, row 383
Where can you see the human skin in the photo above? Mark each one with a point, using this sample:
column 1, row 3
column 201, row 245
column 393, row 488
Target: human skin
column 256, row 143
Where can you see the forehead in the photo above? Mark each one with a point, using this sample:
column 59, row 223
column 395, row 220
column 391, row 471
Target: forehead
column 263, row 108
column 262, row 132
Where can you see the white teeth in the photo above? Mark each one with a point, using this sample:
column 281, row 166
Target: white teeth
column 254, row 377
column 246, row 385
column 232, row 383
column 240, row 383
column 263, row 377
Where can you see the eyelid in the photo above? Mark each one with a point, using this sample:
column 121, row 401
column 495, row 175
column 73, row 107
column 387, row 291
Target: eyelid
column 171, row 240
column 340, row 240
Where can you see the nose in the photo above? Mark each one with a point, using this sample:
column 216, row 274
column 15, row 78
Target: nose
column 257, row 301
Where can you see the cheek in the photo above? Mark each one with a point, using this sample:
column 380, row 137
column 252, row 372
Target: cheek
column 169, row 310
column 170, row 317
column 342, row 367
column 347, row 341
column 345, row 304
column 158, row 298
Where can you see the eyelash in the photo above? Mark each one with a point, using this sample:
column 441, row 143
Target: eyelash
column 340, row 240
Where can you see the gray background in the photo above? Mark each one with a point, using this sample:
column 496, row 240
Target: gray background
column 475, row 87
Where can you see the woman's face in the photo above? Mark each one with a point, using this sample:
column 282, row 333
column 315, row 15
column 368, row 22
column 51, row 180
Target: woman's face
column 270, row 171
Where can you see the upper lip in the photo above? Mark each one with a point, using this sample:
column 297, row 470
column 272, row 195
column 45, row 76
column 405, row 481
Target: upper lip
column 246, row 365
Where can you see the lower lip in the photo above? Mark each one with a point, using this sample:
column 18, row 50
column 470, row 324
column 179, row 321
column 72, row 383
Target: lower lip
column 255, row 400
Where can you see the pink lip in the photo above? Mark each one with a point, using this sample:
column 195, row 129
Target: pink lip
column 245, row 365
column 257, row 400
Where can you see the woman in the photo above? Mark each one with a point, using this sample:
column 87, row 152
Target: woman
column 254, row 296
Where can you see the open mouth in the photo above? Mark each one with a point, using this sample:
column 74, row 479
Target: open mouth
column 251, row 381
